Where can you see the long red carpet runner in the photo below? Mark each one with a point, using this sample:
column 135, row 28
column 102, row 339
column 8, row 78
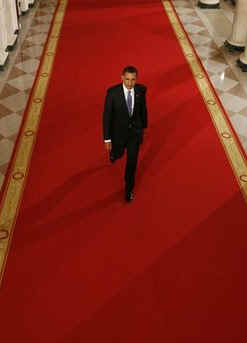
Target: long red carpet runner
column 82, row 265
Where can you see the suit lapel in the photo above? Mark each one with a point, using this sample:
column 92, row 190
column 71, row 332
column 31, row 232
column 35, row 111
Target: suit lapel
column 135, row 96
column 123, row 100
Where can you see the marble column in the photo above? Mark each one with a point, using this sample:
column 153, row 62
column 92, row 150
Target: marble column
column 11, row 23
column 238, row 37
column 209, row 3
column 3, row 36
column 18, row 4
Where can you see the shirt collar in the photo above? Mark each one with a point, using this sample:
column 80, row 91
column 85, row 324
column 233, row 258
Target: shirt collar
column 126, row 89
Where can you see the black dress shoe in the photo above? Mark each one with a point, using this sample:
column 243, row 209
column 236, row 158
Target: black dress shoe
column 129, row 196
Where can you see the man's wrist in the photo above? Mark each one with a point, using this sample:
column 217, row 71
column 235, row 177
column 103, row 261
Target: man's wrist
column 107, row 141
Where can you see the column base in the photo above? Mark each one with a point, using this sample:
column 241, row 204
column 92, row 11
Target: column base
column 242, row 65
column 207, row 6
column 12, row 46
column 231, row 48
column 25, row 12
column 32, row 5
column 3, row 65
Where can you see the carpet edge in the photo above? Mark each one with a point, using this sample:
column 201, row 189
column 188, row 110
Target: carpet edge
column 20, row 162
column 225, row 132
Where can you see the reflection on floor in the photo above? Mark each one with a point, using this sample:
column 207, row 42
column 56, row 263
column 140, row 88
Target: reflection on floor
column 208, row 29
column 17, row 78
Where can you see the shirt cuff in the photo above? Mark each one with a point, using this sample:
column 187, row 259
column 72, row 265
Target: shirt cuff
column 107, row 141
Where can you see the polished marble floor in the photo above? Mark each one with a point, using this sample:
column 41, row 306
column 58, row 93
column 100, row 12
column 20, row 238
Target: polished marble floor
column 18, row 76
column 207, row 29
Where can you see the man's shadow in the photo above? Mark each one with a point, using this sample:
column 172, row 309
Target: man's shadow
column 160, row 136
column 39, row 229
column 37, row 212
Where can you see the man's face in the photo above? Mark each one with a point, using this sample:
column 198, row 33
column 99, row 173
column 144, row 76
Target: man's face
column 129, row 80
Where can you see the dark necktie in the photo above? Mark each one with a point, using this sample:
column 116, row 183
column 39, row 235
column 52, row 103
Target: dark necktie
column 129, row 103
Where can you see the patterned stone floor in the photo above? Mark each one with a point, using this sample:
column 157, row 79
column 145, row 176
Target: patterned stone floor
column 17, row 79
column 207, row 29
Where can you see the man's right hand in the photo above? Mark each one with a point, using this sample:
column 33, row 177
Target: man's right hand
column 108, row 146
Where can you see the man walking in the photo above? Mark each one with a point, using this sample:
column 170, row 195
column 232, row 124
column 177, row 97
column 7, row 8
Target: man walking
column 124, row 118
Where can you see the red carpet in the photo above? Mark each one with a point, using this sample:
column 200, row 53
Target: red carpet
column 84, row 266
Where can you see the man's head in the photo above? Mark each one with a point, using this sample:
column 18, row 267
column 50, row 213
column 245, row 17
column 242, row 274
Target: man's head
column 129, row 76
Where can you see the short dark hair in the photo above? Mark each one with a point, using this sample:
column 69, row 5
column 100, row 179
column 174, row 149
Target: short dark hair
column 130, row 69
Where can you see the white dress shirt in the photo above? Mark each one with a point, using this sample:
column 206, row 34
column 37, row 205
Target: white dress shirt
column 132, row 92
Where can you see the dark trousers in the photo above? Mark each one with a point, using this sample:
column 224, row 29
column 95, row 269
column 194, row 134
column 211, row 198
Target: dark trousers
column 132, row 148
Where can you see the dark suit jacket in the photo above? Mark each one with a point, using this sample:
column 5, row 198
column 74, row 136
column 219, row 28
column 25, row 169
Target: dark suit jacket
column 116, row 120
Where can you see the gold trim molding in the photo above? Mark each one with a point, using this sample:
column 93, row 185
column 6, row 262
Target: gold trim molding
column 224, row 131
column 12, row 196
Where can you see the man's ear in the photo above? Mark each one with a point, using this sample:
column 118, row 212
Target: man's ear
column 122, row 77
